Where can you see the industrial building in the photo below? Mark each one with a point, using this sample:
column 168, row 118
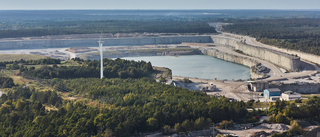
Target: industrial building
column 258, row 86
column 290, row 95
column 272, row 92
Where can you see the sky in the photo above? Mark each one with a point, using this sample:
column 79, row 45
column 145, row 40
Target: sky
column 158, row 4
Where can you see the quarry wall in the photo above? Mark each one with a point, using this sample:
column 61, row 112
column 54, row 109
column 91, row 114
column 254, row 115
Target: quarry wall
column 287, row 61
column 90, row 42
column 306, row 56
column 307, row 88
column 233, row 58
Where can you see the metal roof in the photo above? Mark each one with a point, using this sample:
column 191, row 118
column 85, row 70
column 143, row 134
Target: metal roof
column 273, row 90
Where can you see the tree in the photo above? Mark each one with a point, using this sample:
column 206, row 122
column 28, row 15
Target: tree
column 186, row 80
column 167, row 130
column 249, row 104
column 187, row 125
column 178, row 127
column 202, row 123
column 295, row 129
column 152, row 124
column 226, row 124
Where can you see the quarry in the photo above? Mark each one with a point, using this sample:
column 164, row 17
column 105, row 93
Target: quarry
column 287, row 70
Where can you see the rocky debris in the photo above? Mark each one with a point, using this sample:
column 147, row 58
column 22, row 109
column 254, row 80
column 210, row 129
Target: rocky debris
column 260, row 68
column 259, row 134
column 303, row 123
column 263, row 134
column 199, row 133
column 272, row 126
column 312, row 131
column 210, row 87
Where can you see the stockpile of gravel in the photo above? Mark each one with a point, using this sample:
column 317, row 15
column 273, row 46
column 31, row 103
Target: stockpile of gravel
column 272, row 126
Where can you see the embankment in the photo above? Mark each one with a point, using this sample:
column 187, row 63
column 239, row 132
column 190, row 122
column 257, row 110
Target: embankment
column 91, row 42
column 287, row 61
column 236, row 59
column 306, row 56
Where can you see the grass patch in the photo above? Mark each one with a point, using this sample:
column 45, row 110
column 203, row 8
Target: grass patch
column 309, row 95
column 14, row 57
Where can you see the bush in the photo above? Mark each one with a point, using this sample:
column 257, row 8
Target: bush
column 226, row 124
column 167, row 130
column 298, row 101
column 295, row 129
column 186, row 80
column 6, row 82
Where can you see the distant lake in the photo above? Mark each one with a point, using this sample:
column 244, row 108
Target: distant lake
column 199, row 66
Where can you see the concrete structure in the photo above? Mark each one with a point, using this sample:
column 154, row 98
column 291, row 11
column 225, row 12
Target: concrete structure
column 290, row 95
column 270, row 92
column 287, row 61
column 91, row 42
column 258, row 86
column 101, row 57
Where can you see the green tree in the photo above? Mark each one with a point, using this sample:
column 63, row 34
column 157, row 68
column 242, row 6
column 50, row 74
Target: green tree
column 167, row 130
column 152, row 124
column 187, row 125
column 178, row 127
column 295, row 129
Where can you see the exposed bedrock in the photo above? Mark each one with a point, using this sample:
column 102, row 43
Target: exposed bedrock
column 236, row 59
column 91, row 42
column 304, row 88
column 287, row 61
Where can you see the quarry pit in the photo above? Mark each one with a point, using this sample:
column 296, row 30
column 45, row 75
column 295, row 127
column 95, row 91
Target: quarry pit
column 283, row 69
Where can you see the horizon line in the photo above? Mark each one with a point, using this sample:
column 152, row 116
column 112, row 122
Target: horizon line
column 158, row 9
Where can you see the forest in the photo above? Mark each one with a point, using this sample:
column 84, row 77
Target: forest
column 126, row 106
column 292, row 113
column 89, row 69
column 292, row 33
column 110, row 106
column 44, row 28
column 17, row 23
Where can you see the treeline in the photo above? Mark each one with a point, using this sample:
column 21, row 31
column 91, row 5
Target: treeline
column 45, row 61
column 140, row 105
column 174, row 109
column 43, row 28
column 20, row 64
column 290, row 113
column 282, row 112
column 301, row 34
column 117, row 68
column 45, row 97
column 6, row 82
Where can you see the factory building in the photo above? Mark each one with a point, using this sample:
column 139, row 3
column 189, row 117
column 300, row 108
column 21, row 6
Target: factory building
column 273, row 93
column 290, row 95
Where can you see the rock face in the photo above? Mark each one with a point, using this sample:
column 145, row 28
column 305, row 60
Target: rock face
column 287, row 61
column 307, row 88
column 92, row 42
column 236, row 59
